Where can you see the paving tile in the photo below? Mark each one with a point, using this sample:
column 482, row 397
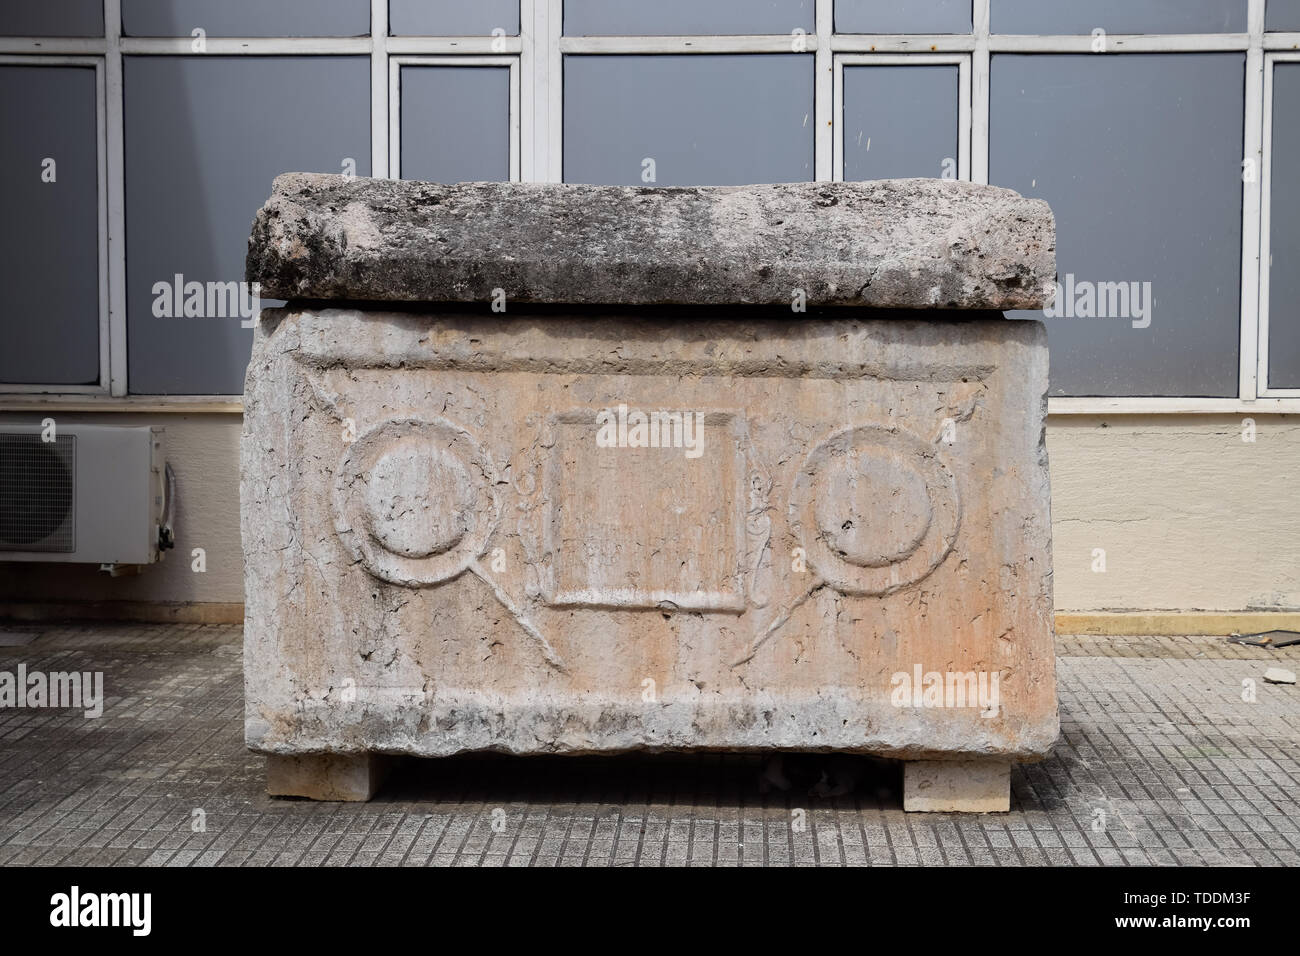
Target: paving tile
column 1160, row 763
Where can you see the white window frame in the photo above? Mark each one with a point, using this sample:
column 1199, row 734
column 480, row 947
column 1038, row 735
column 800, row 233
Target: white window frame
column 101, row 387
column 395, row 64
column 536, row 56
column 963, row 63
column 1265, row 221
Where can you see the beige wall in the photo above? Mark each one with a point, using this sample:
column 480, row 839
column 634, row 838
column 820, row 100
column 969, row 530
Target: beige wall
column 1189, row 515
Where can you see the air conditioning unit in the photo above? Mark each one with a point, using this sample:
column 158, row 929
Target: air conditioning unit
column 97, row 494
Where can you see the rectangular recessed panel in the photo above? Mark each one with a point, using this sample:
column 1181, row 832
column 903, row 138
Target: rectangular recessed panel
column 246, row 18
column 49, row 226
column 1119, row 16
column 1148, row 212
column 456, row 123
column 52, row 18
column 453, row 18
column 687, row 17
column 690, row 554
column 690, row 120
column 889, row 16
column 900, row 122
column 205, row 136
column 1284, row 232
column 38, row 503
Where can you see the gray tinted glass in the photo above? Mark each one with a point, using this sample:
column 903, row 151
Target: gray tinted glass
column 1284, row 232
column 1143, row 193
column 1118, row 16
column 204, row 138
column 682, row 17
column 1282, row 15
column 52, row 18
column 246, row 18
column 49, row 253
column 456, row 123
column 900, row 121
column 694, row 120
column 452, row 18
column 890, row 16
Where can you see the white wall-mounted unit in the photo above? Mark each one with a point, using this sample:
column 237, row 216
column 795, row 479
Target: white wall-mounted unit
column 83, row 493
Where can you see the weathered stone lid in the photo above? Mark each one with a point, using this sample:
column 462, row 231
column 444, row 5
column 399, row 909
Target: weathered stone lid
column 902, row 244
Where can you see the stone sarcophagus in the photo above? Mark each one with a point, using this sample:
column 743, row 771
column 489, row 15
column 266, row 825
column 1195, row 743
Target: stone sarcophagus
column 562, row 469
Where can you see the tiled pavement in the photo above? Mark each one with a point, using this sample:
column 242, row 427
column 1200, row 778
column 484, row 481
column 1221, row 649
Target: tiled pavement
column 1161, row 761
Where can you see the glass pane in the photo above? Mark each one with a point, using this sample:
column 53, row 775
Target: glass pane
column 686, row 17
column 693, row 120
column 889, row 16
column 246, row 18
column 1119, row 16
column 1284, row 229
column 452, row 18
column 1282, row 16
column 49, row 246
column 456, row 123
column 1140, row 158
column 900, row 121
column 52, row 18
column 204, row 138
